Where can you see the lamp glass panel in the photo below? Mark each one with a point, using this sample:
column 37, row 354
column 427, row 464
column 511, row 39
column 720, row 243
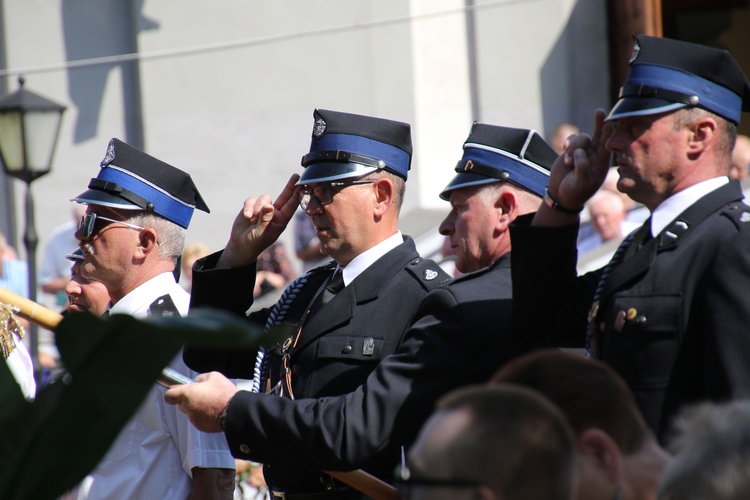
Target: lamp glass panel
column 11, row 141
column 41, row 134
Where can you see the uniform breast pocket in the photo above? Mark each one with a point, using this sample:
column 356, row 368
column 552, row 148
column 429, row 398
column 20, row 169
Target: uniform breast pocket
column 643, row 338
column 658, row 315
column 352, row 348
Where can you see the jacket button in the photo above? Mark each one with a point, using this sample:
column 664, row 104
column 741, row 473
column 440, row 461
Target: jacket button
column 295, row 369
column 347, row 349
column 245, row 449
column 414, row 262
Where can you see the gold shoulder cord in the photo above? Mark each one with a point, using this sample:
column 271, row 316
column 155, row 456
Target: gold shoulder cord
column 10, row 330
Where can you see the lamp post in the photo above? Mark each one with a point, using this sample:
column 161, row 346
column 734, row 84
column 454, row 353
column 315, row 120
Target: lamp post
column 29, row 128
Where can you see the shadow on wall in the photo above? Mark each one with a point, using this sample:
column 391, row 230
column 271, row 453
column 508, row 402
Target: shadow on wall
column 100, row 29
column 575, row 76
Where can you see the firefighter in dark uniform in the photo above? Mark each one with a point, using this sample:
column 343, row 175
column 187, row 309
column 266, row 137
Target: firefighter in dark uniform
column 670, row 312
column 346, row 316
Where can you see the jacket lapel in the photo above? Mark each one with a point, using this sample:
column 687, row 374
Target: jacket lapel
column 365, row 288
column 669, row 238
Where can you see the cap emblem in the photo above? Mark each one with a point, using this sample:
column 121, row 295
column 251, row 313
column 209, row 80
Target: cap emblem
column 319, row 128
column 636, row 51
column 109, row 156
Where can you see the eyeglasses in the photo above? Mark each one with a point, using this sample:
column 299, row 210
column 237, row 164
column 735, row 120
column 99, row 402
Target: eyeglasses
column 87, row 222
column 407, row 482
column 323, row 193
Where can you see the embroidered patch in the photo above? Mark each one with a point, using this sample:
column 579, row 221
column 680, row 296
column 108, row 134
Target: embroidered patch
column 430, row 275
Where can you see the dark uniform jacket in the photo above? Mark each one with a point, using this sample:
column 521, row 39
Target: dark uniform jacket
column 460, row 336
column 338, row 347
column 674, row 319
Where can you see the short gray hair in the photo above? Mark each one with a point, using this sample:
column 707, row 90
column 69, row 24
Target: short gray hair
column 170, row 236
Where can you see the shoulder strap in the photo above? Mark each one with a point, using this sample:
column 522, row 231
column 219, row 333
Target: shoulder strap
column 164, row 307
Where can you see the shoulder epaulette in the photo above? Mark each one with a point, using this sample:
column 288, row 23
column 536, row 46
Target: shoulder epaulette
column 164, row 307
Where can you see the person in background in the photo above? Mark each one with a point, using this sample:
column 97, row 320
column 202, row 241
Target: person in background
column 274, row 270
column 617, row 454
column 607, row 216
column 306, row 242
column 191, row 253
column 84, row 294
column 133, row 233
column 54, row 273
column 491, row 443
column 560, row 134
column 711, row 446
column 14, row 277
column 740, row 158
column 670, row 311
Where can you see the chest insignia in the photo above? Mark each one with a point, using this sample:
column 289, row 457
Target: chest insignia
column 368, row 348
column 430, row 274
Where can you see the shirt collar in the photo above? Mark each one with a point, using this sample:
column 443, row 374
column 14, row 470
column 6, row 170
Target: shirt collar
column 673, row 206
column 139, row 299
column 364, row 260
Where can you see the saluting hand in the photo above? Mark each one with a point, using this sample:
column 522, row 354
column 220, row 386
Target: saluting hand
column 578, row 172
column 203, row 400
column 258, row 225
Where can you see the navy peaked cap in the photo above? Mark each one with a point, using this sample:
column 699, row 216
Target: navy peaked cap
column 345, row 145
column 670, row 74
column 75, row 255
column 130, row 179
column 503, row 154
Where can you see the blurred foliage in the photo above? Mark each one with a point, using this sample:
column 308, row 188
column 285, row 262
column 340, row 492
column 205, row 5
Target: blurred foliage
column 50, row 444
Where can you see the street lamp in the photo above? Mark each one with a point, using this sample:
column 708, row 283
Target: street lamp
column 29, row 127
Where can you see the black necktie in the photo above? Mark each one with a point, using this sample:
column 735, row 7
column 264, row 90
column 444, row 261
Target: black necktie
column 640, row 238
column 334, row 286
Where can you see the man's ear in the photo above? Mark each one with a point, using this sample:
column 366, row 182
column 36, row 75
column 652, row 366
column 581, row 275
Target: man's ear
column 147, row 241
column 599, row 449
column 506, row 205
column 702, row 133
column 384, row 193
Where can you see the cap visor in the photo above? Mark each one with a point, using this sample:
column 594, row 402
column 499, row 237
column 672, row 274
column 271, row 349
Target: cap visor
column 75, row 255
column 96, row 197
column 465, row 179
column 333, row 171
column 641, row 106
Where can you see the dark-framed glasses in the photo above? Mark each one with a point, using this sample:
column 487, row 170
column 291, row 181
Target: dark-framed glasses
column 408, row 484
column 323, row 193
column 87, row 222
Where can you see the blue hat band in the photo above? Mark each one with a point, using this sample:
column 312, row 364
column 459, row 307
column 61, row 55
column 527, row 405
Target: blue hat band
column 164, row 205
column 713, row 97
column 395, row 159
column 523, row 173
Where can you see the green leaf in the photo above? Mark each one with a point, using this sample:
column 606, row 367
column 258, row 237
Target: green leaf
column 50, row 444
